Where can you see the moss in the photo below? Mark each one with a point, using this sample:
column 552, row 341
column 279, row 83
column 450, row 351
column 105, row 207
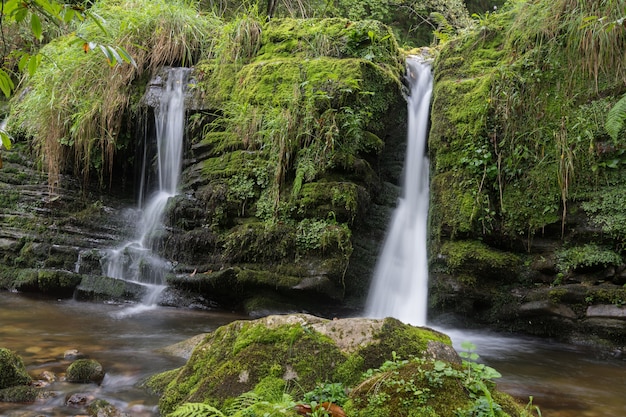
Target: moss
column 478, row 259
column 12, row 370
column 19, row 394
column 59, row 283
column 405, row 341
column 236, row 357
column 85, row 371
column 157, row 383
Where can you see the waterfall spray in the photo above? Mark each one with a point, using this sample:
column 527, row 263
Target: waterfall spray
column 400, row 283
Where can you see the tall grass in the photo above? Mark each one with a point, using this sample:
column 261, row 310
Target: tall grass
column 76, row 103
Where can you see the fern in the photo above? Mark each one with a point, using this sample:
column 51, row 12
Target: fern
column 196, row 410
column 244, row 401
column 616, row 118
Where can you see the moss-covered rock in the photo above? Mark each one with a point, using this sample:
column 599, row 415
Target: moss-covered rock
column 85, row 370
column 303, row 350
column 12, row 370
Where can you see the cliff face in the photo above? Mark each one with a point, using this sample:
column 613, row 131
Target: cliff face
column 527, row 183
column 295, row 138
column 299, row 137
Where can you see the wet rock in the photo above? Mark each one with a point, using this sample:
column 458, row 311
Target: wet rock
column 79, row 399
column 85, row 370
column 72, row 354
column 102, row 408
column 606, row 311
column 12, row 370
column 18, row 394
column 546, row 308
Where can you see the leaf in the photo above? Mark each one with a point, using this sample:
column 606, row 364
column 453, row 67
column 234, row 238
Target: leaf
column 123, row 53
column 33, row 64
column 68, row 15
column 35, row 25
column 23, row 62
column 6, row 139
column 6, row 83
column 615, row 119
column 97, row 20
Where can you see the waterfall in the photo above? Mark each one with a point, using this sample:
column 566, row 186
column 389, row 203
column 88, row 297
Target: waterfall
column 400, row 283
column 134, row 260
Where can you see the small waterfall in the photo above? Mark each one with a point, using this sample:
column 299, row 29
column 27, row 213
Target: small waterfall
column 400, row 283
column 134, row 260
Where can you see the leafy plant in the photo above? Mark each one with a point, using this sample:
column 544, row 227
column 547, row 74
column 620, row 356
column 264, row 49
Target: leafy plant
column 196, row 410
column 616, row 118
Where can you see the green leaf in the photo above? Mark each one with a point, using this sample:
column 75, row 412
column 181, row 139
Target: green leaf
column 68, row 15
column 23, row 61
column 20, row 14
column 6, row 83
column 615, row 119
column 97, row 20
column 6, row 139
column 123, row 53
column 35, row 25
column 33, row 64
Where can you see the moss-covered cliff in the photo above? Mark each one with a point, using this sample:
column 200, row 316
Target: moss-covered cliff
column 523, row 164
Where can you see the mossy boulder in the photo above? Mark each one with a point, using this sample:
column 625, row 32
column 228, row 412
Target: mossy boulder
column 12, row 370
column 84, row 371
column 301, row 349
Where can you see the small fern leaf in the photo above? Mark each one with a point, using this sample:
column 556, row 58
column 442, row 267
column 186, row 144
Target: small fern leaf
column 196, row 410
column 245, row 400
column 616, row 118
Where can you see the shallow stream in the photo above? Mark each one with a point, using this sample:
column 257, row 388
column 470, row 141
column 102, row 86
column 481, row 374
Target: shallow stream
column 564, row 381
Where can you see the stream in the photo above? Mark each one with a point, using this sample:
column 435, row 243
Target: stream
column 565, row 381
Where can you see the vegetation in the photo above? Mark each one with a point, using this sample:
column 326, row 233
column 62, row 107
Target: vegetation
column 535, row 148
column 284, row 385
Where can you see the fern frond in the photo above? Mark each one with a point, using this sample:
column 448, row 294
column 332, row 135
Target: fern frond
column 196, row 410
column 245, row 400
column 616, row 118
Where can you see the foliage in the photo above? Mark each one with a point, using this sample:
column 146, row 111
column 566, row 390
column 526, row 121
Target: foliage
column 334, row 392
column 154, row 34
column 615, row 119
column 196, row 410
column 608, row 210
column 518, row 131
column 586, row 256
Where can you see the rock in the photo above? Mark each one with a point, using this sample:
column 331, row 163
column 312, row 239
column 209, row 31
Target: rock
column 85, row 370
column 234, row 358
column 72, row 354
column 79, row 399
column 18, row 394
column 12, row 370
column 102, row 408
column 606, row 311
column 546, row 308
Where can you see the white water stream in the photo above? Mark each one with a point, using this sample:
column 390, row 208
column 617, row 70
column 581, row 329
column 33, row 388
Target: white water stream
column 400, row 283
column 134, row 260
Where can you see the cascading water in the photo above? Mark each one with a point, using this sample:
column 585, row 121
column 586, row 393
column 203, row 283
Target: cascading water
column 400, row 283
column 134, row 260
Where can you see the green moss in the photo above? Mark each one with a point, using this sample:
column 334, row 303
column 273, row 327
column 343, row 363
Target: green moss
column 405, row 341
column 58, row 282
column 478, row 259
column 236, row 357
column 85, row 371
column 12, row 370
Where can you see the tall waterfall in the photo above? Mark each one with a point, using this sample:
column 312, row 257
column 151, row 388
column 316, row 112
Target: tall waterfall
column 134, row 260
column 400, row 283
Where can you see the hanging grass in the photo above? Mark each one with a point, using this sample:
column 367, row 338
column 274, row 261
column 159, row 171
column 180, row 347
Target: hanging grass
column 76, row 103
